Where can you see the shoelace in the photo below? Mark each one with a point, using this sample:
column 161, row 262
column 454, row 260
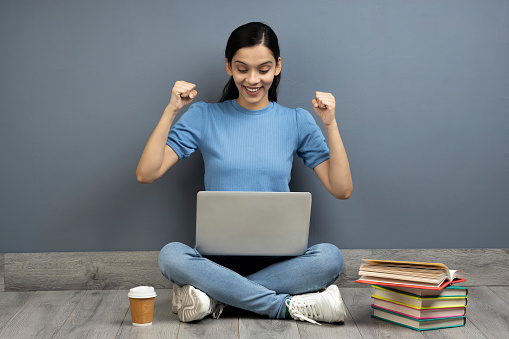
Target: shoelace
column 302, row 312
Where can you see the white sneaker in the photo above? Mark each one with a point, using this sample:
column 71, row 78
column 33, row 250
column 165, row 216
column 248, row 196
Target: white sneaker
column 196, row 305
column 175, row 300
column 326, row 306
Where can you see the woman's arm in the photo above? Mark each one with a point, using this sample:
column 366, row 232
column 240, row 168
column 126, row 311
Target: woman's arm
column 335, row 172
column 157, row 157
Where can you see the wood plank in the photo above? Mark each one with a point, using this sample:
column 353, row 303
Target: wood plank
column 98, row 315
column 252, row 325
column 10, row 303
column 488, row 312
column 227, row 326
column 358, row 302
column 123, row 270
column 502, row 292
column 82, row 270
column 328, row 331
column 348, row 329
column 165, row 325
column 2, row 267
column 42, row 315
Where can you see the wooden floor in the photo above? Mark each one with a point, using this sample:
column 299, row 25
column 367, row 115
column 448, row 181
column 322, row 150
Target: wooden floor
column 105, row 314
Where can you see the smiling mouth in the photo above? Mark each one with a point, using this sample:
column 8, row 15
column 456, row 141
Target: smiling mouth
column 252, row 90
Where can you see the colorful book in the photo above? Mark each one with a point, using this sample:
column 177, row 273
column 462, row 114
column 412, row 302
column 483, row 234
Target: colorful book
column 418, row 313
column 451, row 290
column 422, row 275
column 418, row 324
column 406, row 299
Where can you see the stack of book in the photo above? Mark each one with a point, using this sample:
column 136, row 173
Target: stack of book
column 417, row 295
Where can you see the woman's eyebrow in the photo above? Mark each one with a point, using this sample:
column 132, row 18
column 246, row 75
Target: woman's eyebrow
column 264, row 63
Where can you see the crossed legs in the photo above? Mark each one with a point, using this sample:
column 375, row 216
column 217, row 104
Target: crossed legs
column 264, row 291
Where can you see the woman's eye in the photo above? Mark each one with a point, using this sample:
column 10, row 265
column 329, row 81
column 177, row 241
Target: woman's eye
column 263, row 72
column 242, row 71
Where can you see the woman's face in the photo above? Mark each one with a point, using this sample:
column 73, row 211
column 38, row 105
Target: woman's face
column 253, row 70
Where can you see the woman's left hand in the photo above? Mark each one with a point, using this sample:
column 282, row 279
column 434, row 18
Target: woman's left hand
column 325, row 106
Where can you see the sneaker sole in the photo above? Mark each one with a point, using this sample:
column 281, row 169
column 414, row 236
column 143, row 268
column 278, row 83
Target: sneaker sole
column 343, row 308
column 190, row 304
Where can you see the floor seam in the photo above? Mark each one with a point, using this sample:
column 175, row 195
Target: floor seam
column 70, row 313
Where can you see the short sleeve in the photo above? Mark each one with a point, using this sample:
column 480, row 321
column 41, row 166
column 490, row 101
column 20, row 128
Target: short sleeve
column 185, row 136
column 312, row 147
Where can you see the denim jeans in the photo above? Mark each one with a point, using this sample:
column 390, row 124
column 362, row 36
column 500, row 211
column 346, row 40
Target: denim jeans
column 257, row 284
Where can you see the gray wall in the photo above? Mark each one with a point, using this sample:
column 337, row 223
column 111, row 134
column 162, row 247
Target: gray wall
column 423, row 108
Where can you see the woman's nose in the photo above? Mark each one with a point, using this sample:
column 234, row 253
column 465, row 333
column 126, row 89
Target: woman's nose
column 252, row 78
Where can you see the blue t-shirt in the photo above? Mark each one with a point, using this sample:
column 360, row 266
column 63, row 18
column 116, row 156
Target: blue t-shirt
column 248, row 150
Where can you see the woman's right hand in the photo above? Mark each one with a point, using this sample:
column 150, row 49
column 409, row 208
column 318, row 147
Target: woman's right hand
column 181, row 94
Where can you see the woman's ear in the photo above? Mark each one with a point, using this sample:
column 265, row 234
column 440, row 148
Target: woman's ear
column 228, row 67
column 278, row 66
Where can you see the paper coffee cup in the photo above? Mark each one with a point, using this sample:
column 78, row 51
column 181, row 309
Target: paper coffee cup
column 141, row 299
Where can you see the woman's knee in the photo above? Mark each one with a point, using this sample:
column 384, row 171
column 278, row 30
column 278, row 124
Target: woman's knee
column 332, row 258
column 171, row 257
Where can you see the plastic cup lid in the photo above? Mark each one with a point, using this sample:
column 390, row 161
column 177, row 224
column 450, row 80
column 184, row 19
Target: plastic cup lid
column 141, row 292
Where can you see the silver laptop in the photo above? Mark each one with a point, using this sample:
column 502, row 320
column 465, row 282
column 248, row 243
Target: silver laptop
column 252, row 223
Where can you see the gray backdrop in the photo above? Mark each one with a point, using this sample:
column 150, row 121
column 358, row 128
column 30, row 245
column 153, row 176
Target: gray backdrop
column 422, row 91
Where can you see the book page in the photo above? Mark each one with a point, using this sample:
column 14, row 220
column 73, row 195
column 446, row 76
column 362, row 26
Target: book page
column 455, row 274
column 403, row 270
column 436, row 280
column 398, row 281
column 409, row 263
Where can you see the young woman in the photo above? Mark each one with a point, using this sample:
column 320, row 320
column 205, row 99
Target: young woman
column 248, row 143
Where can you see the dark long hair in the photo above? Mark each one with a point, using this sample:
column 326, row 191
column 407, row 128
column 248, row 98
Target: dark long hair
column 250, row 35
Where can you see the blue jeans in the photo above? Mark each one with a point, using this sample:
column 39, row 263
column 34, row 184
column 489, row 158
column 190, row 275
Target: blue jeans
column 257, row 284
